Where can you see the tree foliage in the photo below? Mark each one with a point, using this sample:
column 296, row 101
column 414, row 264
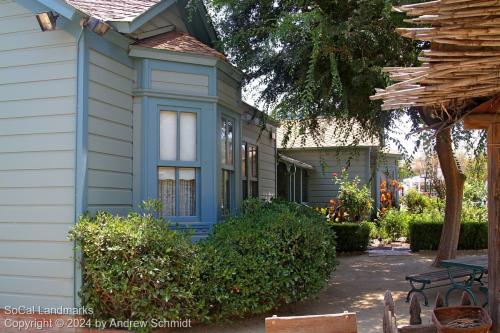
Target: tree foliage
column 317, row 58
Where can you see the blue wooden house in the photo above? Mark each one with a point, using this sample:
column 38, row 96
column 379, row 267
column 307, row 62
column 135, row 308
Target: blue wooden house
column 104, row 104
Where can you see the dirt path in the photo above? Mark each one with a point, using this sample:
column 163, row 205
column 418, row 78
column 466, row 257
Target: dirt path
column 357, row 285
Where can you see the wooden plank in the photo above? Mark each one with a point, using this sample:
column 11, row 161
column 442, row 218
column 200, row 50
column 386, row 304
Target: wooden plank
column 99, row 161
column 110, row 79
column 428, row 328
column 102, row 61
column 109, row 146
column 36, row 267
column 110, row 112
column 332, row 323
column 37, row 178
column 37, row 160
column 57, row 232
column 37, row 196
column 34, row 90
column 37, row 107
column 17, row 300
column 480, row 121
column 37, row 142
column 110, row 129
column 36, row 214
column 36, row 250
column 110, row 96
column 37, row 125
column 36, row 285
column 38, row 55
column 494, row 224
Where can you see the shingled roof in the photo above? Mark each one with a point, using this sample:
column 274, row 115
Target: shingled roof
column 111, row 10
column 177, row 41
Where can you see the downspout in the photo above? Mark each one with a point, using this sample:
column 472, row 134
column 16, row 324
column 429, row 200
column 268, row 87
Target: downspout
column 81, row 149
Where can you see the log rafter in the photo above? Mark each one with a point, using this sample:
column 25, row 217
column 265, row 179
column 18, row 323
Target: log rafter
column 464, row 59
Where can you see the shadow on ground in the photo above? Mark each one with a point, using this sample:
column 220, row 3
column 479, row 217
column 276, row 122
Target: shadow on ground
column 358, row 285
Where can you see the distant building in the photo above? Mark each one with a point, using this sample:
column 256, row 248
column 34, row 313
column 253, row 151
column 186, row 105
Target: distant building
column 306, row 163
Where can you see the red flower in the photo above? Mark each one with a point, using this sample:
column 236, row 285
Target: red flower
column 334, row 174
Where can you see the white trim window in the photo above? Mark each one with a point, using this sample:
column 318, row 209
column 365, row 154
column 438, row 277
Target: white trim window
column 177, row 169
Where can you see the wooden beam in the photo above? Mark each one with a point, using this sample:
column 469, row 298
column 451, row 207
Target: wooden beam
column 494, row 225
column 491, row 106
column 427, row 328
column 480, row 121
column 331, row 323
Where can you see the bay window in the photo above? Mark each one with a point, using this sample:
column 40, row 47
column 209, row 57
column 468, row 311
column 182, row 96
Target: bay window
column 178, row 164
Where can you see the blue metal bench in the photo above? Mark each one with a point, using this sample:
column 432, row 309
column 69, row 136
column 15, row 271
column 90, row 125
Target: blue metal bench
column 428, row 280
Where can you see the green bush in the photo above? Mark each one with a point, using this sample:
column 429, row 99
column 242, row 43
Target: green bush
column 354, row 200
column 269, row 255
column 426, row 235
column 374, row 230
column 394, row 224
column 136, row 268
column 352, row 237
column 415, row 202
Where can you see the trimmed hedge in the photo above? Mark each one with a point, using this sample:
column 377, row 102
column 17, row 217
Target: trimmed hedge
column 269, row 255
column 352, row 237
column 136, row 268
column 426, row 235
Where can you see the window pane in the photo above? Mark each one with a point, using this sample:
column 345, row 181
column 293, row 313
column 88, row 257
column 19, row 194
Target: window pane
column 223, row 151
column 166, row 190
column 305, row 181
column 168, row 135
column 244, row 160
column 252, row 156
column 244, row 188
column 225, row 199
column 298, row 185
column 255, row 189
column 188, row 136
column 187, row 192
column 229, row 131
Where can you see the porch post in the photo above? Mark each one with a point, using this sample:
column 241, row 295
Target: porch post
column 494, row 224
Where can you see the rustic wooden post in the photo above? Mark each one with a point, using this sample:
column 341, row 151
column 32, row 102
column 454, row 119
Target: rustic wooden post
column 487, row 117
column 415, row 311
column 494, row 223
column 439, row 301
column 389, row 319
column 466, row 301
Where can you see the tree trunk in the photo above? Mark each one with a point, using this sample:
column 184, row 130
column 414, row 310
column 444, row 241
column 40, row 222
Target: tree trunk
column 454, row 181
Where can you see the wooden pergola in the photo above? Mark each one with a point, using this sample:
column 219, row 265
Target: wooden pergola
column 462, row 65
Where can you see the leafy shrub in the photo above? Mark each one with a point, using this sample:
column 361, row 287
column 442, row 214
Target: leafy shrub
column 136, row 268
column 352, row 237
column 473, row 213
column 394, row 224
column 354, row 202
column 415, row 202
column 374, row 230
column 426, row 235
column 270, row 254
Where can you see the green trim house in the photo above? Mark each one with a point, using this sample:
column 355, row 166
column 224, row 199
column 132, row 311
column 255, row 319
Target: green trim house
column 306, row 162
column 104, row 104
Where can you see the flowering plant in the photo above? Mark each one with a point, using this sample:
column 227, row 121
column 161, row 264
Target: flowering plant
column 388, row 194
column 354, row 202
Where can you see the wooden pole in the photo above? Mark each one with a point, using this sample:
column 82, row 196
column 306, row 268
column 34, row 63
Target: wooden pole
column 494, row 224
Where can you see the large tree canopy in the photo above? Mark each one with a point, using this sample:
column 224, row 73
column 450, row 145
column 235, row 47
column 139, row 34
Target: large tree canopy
column 317, row 58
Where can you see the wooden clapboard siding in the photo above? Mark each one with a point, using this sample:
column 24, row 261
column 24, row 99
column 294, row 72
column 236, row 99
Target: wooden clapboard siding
column 176, row 82
column 266, row 158
column 110, row 135
column 321, row 188
column 228, row 90
column 37, row 161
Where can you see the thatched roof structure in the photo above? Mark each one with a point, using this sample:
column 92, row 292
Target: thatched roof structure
column 463, row 62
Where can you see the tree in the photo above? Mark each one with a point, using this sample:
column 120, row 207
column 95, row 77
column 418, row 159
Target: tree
column 317, row 58
column 323, row 59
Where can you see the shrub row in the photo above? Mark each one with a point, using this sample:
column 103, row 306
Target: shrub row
column 136, row 268
column 353, row 237
column 426, row 235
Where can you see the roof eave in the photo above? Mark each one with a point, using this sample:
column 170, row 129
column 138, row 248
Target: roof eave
column 129, row 25
column 186, row 57
column 60, row 7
